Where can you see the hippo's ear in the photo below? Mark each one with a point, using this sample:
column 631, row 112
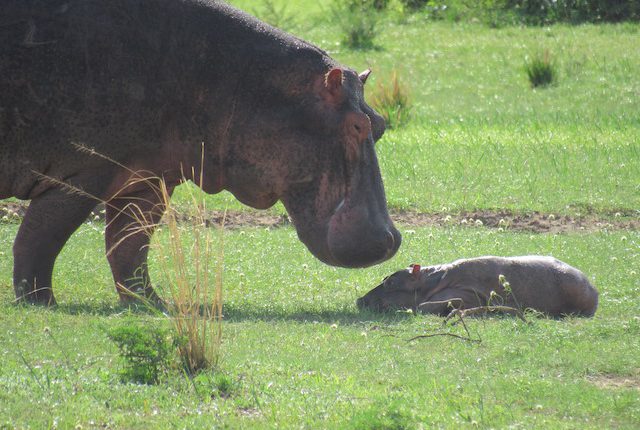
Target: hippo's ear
column 333, row 85
column 364, row 75
column 415, row 270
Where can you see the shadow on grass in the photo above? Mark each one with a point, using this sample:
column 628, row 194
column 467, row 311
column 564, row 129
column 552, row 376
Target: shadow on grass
column 244, row 312
column 103, row 309
column 343, row 316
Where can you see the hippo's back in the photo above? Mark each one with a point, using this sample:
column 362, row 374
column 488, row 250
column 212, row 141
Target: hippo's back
column 539, row 282
column 106, row 74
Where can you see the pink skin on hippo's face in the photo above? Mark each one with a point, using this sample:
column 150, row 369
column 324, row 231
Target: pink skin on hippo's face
column 324, row 170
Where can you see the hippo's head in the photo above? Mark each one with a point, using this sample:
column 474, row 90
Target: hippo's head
column 309, row 142
column 405, row 289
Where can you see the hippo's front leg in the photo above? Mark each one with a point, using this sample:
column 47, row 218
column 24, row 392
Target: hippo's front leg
column 48, row 223
column 456, row 297
column 131, row 219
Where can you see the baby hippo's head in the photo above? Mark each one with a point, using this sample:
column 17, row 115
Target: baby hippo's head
column 401, row 290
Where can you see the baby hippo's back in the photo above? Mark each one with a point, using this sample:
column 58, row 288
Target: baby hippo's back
column 542, row 283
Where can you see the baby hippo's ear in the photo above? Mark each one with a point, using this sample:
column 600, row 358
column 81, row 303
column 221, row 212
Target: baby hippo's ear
column 415, row 271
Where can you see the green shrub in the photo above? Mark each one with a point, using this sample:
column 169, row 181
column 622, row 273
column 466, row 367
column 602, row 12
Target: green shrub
column 383, row 416
column 392, row 102
column 365, row 4
column 497, row 13
column 358, row 20
column 541, row 70
column 413, row 5
column 274, row 15
column 575, row 11
column 215, row 385
column 145, row 349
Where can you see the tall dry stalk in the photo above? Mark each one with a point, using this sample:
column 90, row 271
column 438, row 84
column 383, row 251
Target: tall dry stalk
column 186, row 262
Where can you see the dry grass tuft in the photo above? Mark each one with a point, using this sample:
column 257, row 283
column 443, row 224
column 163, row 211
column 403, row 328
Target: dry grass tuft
column 186, row 266
column 392, row 102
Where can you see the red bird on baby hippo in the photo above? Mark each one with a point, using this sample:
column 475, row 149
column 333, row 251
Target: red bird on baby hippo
column 167, row 87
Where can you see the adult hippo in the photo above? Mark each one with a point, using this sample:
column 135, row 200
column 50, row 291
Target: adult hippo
column 542, row 283
column 178, row 89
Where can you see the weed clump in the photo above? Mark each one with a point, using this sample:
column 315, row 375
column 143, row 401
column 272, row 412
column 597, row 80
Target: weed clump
column 145, row 350
column 541, row 70
column 274, row 15
column 414, row 5
column 192, row 267
column 392, row 102
column 215, row 385
column 389, row 416
column 358, row 21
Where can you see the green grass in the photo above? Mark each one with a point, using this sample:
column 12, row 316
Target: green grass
column 299, row 354
column 296, row 353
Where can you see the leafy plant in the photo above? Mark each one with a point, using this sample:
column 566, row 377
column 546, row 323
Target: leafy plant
column 413, row 5
column 543, row 12
column 541, row 70
column 392, row 102
column 383, row 416
column 358, row 20
column 215, row 385
column 145, row 349
column 277, row 16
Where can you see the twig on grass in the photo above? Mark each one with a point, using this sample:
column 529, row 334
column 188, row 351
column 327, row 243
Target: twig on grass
column 484, row 310
column 31, row 370
column 457, row 336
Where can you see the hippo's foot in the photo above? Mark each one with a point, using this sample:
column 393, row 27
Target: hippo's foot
column 141, row 296
column 26, row 293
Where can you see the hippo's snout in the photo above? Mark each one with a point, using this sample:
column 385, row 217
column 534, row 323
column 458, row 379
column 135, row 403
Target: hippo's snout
column 361, row 244
column 367, row 302
column 365, row 251
column 363, row 303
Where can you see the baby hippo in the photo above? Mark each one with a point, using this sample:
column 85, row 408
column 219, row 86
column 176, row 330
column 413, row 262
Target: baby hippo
column 541, row 283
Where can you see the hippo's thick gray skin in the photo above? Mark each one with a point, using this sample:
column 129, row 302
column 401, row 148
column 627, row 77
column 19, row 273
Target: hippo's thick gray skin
column 541, row 283
column 158, row 86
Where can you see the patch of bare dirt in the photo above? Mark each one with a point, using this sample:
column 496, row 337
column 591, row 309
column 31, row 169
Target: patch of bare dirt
column 534, row 222
column 615, row 381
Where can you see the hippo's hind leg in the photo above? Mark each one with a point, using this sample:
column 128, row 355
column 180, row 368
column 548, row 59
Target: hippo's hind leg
column 48, row 223
column 131, row 219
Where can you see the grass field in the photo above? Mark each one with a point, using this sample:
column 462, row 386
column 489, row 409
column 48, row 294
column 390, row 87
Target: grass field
column 296, row 351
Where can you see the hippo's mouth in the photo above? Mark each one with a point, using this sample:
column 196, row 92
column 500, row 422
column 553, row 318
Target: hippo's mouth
column 350, row 237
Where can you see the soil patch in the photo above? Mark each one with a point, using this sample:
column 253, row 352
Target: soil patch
column 535, row 222
column 615, row 381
